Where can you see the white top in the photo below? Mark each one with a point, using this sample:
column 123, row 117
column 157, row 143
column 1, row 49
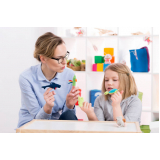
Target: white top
column 77, row 126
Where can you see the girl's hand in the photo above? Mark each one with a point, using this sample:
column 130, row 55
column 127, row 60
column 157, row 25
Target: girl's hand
column 116, row 98
column 72, row 97
column 87, row 108
column 49, row 97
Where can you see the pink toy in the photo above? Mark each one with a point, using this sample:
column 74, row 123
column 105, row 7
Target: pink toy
column 80, row 33
column 148, row 40
column 94, row 67
column 107, row 59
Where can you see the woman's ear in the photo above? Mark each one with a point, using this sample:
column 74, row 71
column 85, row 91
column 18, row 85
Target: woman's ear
column 42, row 58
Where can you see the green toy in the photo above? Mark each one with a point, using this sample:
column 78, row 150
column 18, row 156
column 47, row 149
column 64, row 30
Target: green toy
column 140, row 95
column 80, row 101
column 111, row 91
column 73, row 81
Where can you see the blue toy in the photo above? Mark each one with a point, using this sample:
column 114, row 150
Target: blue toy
column 93, row 95
column 52, row 85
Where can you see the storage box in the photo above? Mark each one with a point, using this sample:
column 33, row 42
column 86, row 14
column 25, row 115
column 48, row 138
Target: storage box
column 105, row 66
column 99, row 67
column 113, row 59
column 109, row 51
column 94, row 67
column 93, row 95
column 98, row 59
column 145, row 128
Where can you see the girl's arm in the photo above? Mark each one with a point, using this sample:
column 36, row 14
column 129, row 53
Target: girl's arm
column 116, row 100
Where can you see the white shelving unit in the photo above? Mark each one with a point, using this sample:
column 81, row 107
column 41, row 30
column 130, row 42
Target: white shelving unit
column 82, row 48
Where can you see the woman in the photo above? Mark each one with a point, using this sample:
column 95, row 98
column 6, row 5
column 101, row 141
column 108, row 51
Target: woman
column 40, row 103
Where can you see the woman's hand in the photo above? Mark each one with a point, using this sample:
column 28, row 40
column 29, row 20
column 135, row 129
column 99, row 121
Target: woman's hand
column 49, row 98
column 72, row 97
column 116, row 98
column 88, row 109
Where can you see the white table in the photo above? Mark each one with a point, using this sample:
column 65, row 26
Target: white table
column 61, row 126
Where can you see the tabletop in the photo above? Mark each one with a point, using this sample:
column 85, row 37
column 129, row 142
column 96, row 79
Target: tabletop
column 71, row 126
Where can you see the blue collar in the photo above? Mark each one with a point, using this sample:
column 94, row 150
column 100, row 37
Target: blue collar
column 41, row 76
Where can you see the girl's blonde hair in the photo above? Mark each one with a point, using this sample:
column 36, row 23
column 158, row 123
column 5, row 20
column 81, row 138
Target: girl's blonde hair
column 46, row 45
column 126, row 80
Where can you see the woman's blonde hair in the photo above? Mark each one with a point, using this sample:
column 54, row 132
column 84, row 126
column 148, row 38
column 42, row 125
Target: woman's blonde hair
column 46, row 45
column 126, row 80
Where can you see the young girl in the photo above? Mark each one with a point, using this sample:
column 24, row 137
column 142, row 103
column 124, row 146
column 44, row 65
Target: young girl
column 124, row 103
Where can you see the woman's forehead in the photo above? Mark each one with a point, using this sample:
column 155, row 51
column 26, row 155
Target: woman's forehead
column 60, row 50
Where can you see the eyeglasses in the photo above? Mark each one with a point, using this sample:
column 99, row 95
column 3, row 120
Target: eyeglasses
column 60, row 60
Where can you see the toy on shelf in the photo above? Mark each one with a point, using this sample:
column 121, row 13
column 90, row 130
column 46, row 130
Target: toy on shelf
column 123, row 61
column 80, row 31
column 109, row 51
column 107, row 59
column 95, row 48
column 74, row 64
column 93, row 95
column 147, row 39
column 111, row 91
column 73, row 81
column 52, row 85
column 120, row 122
column 137, row 33
column 140, row 33
column 103, row 31
column 83, row 64
column 140, row 60
column 80, row 101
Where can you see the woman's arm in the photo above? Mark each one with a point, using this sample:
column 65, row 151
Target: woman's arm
column 30, row 102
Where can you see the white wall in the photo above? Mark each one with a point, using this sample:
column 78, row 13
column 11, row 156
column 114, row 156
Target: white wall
column 16, row 55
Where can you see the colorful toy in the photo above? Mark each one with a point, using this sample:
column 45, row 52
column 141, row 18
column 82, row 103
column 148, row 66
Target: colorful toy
column 109, row 51
column 73, row 81
column 98, row 59
column 79, row 95
column 105, row 66
column 100, row 67
column 94, row 67
column 120, row 122
column 107, row 58
column 80, row 101
column 80, row 33
column 148, row 39
column 93, row 95
column 111, row 91
column 103, row 31
column 52, row 85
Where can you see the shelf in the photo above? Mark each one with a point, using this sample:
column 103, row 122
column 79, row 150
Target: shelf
column 92, row 44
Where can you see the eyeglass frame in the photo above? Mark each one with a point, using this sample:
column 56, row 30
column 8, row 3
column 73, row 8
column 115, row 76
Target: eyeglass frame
column 61, row 58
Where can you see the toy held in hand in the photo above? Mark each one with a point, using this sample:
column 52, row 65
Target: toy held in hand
column 111, row 91
column 73, row 81
column 52, row 85
column 80, row 101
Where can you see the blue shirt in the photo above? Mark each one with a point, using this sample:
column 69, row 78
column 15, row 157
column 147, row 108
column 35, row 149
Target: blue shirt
column 32, row 99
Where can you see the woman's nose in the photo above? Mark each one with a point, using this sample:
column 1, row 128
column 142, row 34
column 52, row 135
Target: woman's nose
column 64, row 61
